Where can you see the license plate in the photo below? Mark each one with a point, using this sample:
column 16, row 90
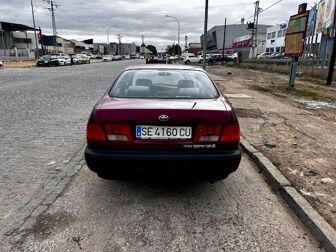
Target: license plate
column 163, row 132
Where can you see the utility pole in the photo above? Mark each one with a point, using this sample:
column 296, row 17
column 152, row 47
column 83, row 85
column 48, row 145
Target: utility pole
column 119, row 38
column 333, row 54
column 255, row 29
column 224, row 37
column 205, row 34
column 52, row 7
column 36, row 41
column 143, row 39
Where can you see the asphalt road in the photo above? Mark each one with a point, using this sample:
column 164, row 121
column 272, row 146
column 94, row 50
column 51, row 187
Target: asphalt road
column 43, row 117
column 42, row 124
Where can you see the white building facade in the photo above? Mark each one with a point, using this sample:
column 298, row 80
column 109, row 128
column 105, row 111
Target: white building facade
column 275, row 37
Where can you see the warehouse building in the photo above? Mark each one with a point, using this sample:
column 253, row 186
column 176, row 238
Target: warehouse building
column 17, row 40
column 216, row 36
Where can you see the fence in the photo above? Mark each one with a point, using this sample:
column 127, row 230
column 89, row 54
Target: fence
column 307, row 67
column 16, row 54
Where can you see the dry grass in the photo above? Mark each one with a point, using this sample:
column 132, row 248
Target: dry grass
column 20, row 64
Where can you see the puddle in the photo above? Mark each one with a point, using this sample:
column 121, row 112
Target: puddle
column 317, row 104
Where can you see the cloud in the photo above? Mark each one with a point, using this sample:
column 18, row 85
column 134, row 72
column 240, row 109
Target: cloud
column 90, row 19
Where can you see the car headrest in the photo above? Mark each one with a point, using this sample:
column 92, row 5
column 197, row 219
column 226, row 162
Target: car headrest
column 143, row 82
column 189, row 92
column 185, row 84
column 138, row 91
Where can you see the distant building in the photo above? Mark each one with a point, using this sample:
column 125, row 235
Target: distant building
column 18, row 40
column 216, row 35
column 243, row 44
column 53, row 43
column 275, row 37
column 194, row 48
column 99, row 48
column 69, row 46
column 194, row 45
column 81, row 46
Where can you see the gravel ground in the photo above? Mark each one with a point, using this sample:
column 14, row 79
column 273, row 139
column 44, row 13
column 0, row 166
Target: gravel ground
column 297, row 137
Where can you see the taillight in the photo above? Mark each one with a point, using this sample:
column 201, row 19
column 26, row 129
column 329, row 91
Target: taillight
column 118, row 132
column 95, row 132
column 207, row 133
column 231, row 133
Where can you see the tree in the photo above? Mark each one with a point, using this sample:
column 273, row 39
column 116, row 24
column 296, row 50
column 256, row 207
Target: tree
column 152, row 49
column 143, row 45
column 173, row 50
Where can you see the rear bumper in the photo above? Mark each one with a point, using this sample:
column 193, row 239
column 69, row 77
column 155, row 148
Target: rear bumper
column 205, row 163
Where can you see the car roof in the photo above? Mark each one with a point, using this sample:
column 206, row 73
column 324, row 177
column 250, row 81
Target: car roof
column 164, row 67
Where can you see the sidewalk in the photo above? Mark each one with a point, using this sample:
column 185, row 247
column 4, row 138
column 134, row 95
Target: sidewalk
column 298, row 138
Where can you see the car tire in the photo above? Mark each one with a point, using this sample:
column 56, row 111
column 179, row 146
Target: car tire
column 187, row 62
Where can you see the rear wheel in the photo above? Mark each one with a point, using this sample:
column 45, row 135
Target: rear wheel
column 187, row 62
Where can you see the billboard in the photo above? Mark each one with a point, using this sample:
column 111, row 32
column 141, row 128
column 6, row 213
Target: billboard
column 311, row 21
column 295, row 35
column 325, row 15
column 329, row 12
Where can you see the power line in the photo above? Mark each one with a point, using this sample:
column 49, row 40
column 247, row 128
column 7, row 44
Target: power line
column 263, row 10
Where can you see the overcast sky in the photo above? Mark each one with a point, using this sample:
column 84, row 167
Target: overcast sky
column 83, row 19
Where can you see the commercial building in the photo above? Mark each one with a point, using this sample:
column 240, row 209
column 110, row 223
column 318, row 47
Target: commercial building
column 52, row 44
column 216, row 36
column 243, row 44
column 17, row 40
column 275, row 37
column 194, row 48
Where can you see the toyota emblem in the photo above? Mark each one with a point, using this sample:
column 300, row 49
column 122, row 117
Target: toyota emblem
column 163, row 118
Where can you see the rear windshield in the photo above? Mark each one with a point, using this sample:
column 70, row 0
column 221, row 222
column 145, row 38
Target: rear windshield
column 170, row 84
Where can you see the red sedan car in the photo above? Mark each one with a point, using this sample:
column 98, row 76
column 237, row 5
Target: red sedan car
column 163, row 119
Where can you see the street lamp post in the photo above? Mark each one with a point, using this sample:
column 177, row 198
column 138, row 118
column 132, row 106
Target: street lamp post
column 107, row 33
column 178, row 34
column 205, row 35
column 36, row 41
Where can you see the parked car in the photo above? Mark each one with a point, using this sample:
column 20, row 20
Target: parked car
column 44, row 60
column 190, row 59
column 60, row 61
column 76, row 59
column 213, row 59
column 84, row 58
column 108, row 58
column 264, row 55
column 172, row 118
column 1, row 63
column 118, row 57
column 200, row 58
column 156, row 60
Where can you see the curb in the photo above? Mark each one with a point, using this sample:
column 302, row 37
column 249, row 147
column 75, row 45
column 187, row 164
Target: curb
column 322, row 231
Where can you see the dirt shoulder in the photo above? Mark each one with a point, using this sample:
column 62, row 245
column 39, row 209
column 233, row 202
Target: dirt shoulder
column 295, row 130
column 20, row 64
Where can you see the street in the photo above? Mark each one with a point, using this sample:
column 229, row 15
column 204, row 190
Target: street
column 43, row 121
column 42, row 127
